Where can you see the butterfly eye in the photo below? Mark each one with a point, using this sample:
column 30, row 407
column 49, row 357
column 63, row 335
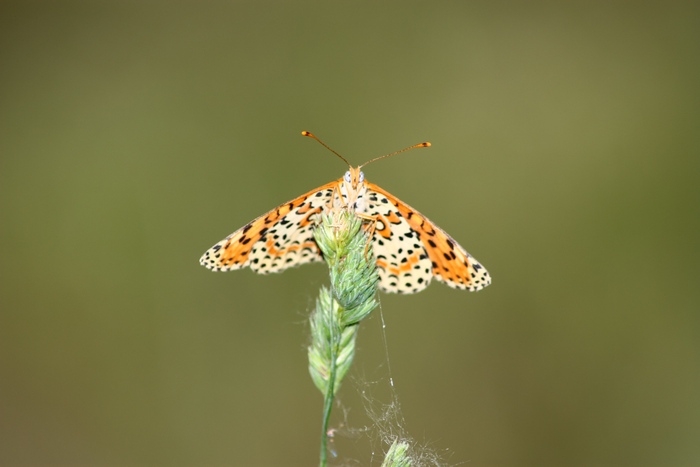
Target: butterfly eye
column 362, row 177
column 347, row 177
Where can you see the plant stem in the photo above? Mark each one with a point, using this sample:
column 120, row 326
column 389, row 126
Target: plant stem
column 327, row 408
column 350, row 259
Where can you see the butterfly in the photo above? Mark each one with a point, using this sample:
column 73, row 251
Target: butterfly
column 410, row 250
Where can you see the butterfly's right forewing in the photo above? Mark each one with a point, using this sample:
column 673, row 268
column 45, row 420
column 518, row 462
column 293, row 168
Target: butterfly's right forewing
column 275, row 241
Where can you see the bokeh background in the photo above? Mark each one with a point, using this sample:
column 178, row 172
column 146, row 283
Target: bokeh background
column 566, row 158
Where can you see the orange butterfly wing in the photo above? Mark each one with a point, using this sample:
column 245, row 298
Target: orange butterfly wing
column 275, row 241
column 411, row 250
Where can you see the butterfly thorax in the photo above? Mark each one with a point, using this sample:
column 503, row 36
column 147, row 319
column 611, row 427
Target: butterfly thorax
column 353, row 190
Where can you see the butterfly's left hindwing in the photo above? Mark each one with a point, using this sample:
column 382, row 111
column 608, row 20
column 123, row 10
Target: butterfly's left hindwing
column 411, row 250
column 402, row 261
column 275, row 241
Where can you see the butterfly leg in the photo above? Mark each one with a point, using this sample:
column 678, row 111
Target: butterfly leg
column 371, row 227
column 332, row 208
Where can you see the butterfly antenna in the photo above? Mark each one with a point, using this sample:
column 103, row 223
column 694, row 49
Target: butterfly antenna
column 415, row 146
column 311, row 135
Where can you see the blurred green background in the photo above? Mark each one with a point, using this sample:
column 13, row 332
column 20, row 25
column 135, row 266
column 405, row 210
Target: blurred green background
column 566, row 158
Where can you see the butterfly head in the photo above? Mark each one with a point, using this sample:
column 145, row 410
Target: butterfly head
column 354, row 177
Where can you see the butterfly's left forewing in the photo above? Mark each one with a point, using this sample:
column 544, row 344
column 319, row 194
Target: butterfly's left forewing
column 411, row 250
column 275, row 241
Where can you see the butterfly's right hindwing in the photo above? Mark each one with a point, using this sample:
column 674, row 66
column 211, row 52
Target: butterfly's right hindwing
column 275, row 241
